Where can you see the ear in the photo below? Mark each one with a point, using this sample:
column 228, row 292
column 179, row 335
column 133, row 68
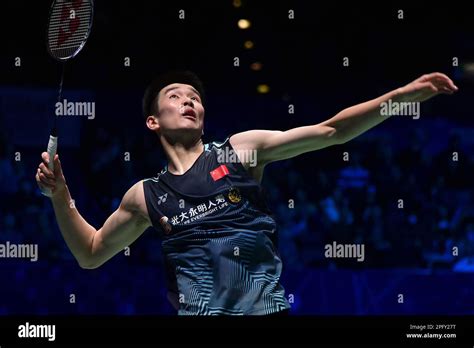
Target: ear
column 153, row 123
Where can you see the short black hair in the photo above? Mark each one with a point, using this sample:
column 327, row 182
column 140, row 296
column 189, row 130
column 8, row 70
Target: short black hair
column 163, row 80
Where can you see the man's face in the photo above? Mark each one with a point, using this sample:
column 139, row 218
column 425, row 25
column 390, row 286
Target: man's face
column 180, row 108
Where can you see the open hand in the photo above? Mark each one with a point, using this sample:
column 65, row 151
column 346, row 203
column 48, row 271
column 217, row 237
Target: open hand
column 427, row 86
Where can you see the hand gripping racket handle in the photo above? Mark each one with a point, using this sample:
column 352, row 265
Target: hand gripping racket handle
column 52, row 147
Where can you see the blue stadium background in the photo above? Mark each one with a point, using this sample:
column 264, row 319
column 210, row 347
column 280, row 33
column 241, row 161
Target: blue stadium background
column 408, row 251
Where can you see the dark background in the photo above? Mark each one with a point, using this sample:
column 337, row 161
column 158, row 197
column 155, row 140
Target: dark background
column 408, row 251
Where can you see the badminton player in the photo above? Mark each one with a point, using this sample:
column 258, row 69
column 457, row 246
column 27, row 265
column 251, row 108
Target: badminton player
column 218, row 235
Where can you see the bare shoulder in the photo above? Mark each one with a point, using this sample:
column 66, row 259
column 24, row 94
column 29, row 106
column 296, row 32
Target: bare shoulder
column 134, row 200
column 251, row 138
column 248, row 147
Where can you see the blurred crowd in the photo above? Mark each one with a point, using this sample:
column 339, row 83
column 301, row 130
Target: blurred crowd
column 409, row 207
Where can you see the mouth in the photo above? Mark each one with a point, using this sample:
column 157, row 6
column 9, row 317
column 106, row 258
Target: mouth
column 189, row 113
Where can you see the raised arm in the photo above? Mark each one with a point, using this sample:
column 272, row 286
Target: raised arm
column 349, row 123
column 92, row 247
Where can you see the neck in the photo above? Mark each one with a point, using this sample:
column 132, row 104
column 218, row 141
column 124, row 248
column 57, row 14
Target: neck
column 181, row 155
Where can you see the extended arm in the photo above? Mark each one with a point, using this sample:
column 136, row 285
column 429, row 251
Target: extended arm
column 346, row 125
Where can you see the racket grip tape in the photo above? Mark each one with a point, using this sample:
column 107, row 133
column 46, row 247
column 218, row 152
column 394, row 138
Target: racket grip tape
column 52, row 148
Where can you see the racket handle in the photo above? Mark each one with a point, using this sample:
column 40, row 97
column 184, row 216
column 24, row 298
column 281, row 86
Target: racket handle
column 52, row 147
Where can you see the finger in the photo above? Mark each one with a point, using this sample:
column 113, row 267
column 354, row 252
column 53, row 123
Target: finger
column 437, row 75
column 44, row 169
column 446, row 90
column 440, row 82
column 40, row 183
column 45, row 180
column 37, row 178
column 452, row 85
column 447, row 83
column 45, row 157
column 443, row 85
column 443, row 77
column 429, row 85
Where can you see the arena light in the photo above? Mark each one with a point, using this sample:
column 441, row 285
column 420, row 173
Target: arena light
column 257, row 66
column 244, row 23
column 469, row 68
column 263, row 88
column 237, row 3
column 248, row 44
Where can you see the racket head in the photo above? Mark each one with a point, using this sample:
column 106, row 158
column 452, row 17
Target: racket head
column 69, row 26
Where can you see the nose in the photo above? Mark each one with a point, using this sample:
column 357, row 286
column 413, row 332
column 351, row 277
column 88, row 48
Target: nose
column 188, row 101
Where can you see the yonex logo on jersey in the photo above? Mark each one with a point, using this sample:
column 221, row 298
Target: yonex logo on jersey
column 162, row 199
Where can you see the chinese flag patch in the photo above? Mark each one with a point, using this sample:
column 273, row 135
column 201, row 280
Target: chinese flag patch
column 219, row 172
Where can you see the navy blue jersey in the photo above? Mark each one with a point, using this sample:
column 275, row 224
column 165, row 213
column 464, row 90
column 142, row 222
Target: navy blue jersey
column 218, row 237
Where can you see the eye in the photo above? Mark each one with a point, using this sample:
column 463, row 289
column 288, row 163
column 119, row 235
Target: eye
column 173, row 96
column 195, row 98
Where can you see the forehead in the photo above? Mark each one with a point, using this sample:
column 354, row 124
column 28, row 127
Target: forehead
column 178, row 86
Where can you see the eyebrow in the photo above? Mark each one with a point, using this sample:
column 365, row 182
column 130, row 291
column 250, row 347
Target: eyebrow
column 176, row 87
